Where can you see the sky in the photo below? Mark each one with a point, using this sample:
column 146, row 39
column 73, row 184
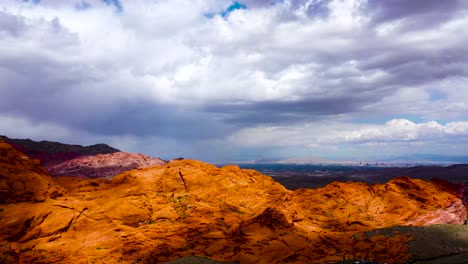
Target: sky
column 225, row 81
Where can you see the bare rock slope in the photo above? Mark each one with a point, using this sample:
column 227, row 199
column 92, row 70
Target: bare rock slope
column 52, row 153
column 104, row 166
column 22, row 179
column 190, row 208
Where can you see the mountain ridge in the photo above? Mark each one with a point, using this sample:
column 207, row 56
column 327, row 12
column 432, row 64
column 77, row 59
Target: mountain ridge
column 104, row 166
column 52, row 153
column 188, row 207
column 392, row 161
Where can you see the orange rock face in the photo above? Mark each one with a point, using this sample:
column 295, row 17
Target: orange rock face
column 103, row 165
column 22, row 179
column 187, row 207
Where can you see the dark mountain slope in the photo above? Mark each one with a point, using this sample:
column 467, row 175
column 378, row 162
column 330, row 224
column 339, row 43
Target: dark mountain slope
column 52, row 153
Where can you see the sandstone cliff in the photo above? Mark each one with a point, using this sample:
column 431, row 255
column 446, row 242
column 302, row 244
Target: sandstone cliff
column 103, row 166
column 158, row 214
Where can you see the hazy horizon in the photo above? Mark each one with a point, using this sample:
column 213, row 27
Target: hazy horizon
column 226, row 81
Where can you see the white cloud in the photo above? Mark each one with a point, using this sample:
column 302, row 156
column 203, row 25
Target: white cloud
column 394, row 135
column 457, row 128
column 317, row 70
column 398, row 130
column 394, row 130
column 171, row 48
column 22, row 128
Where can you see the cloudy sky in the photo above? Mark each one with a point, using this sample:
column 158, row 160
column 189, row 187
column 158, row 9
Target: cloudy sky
column 227, row 81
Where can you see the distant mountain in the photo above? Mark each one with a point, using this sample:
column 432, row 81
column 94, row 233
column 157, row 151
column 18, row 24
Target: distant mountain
column 453, row 173
column 190, row 208
column 394, row 161
column 427, row 159
column 310, row 160
column 104, row 166
column 52, row 153
column 295, row 176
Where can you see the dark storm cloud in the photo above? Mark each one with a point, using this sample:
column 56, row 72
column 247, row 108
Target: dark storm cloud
column 49, row 87
column 66, row 101
column 41, row 87
column 420, row 13
column 412, row 66
column 286, row 113
column 150, row 119
column 112, row 116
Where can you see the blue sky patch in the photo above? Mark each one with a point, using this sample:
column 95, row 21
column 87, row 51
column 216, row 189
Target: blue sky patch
column 384, row 119
column 115, row 3
column 232, row 8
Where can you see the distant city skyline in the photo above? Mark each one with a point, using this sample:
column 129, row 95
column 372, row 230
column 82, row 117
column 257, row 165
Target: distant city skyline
column 225, row 81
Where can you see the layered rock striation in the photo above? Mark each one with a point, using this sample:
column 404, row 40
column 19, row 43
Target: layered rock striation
column 103, row 166
column 190, row 208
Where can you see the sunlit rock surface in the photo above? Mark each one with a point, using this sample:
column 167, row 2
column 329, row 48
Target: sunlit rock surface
column 104, row 166
column 190, row 208
column 22, row 179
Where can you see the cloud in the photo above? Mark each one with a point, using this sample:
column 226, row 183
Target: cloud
column 395, row 130
column 354, row 141
column 405, row 130
column 424, row 14
column 164, row 71
column 22, row 128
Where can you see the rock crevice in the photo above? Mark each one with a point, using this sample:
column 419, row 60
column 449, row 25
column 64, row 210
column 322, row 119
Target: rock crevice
column 188, row 207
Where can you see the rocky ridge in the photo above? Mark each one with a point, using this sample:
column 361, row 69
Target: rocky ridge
column 103, row 166
column 187, row 207
column 52, row 153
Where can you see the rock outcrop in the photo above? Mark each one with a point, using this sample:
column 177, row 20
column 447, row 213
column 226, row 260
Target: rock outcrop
column 103, row 166
column 52, row 153
column 22, row 179
column 190, row 208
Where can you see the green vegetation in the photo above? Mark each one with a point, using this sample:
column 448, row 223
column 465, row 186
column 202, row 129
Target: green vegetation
column 101, row 248
column 196, row 260
column 180, row 204
column 178, row 199
column 437, row 244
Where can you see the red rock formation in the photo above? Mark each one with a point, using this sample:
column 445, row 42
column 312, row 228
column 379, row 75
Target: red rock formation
column 460, row 189
column 53, row 153
column 187, row 207
column 22, row 179
column 104, row 166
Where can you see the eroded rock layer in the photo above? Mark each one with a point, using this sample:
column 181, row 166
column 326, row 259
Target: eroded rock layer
column 189, row 208
column 103, row 165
